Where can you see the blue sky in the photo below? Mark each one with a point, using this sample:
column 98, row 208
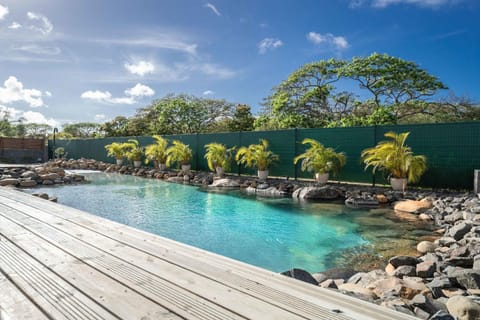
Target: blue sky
column 65, row 61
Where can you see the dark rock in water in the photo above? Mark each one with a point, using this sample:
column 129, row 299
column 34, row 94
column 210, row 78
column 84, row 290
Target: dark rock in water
column 301, row 275
column 398, row 261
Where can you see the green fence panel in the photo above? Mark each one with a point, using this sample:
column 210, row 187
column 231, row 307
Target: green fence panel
column 452, row 150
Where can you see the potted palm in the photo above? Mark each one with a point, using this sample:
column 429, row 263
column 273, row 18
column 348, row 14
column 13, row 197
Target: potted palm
column 320, row 160
column 157, row 153
column 134, row 152
column 116, row 150
column 179, row 153
column 397, row 159
column 219, row 157
column 257, row 156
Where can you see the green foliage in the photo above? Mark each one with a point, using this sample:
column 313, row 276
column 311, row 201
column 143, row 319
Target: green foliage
column 396, row 158
column 134, row 152
column 242, row 119
column 256, row 156
column 116, row 128
column 83, row 129
column 218, row 155
column 157, row 151
column 59, row 152
column 116, row 150
column 320, row 159
column 179, row 153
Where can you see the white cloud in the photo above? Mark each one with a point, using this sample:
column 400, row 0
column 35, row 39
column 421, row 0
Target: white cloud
column 3, row 12
column 386, row 3
column 36, row 49
column 328, row 39
column 44, row 25
column 269, row 44
column 213, row 8
column 208, row 92
column 48, row 94
column 10, row 113
column 140, row 90
column 214, row 70
column 13, row 91
column 132, row 95
column 14, row 25
column 168, row 41
column 99, row 117
column 37, row 117
column 140, row 68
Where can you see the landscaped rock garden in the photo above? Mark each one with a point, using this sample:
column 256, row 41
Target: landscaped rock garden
column 441, row 282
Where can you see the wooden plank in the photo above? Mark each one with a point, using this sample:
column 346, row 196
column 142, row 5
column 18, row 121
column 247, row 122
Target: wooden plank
column 266, row 286
column 110, row 259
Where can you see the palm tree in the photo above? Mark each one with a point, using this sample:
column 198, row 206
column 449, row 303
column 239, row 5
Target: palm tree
column 179, row 153
column 320, row 160
column 157, row 152
column 396, row 158
column 218, row 157
column 134, row 152
column 116, row 150
column 257, row 155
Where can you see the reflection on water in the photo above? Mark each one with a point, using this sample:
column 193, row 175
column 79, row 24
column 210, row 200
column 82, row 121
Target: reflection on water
column 277, row 234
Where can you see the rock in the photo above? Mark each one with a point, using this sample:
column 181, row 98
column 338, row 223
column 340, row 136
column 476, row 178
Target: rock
column 419, row 313
column 404, row 271
column 319, row 277
column 424, row 303
column 175, row 179
column 229, row 183
column 29, row 174
column 339, row 273
column 426, row 269
column 49, row 176
column 413, row 206
column 270, row 192
column 28, row 183
column 398, row 261
column 451, row 292
column 464, row 262
column 459, row 230
column 301, row 275
column 328, row 284
column 317, row 193
column 186, row 178
column 425, row 247
column 358, row 289
column 9, row 182
column 53, row 199
column 425, row 217
column 405, row 288
column 364, row 279
column 389, row 269
column 361, row 203
column 41, row 195
column 381, row 198
column 441, row 315
column 463, row 308
column 397, row 305
column 47, row 182
column 467, row 279
column 262, row 186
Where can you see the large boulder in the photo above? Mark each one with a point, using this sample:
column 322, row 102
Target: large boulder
column 413, row 206
column 426, row 247
column 317, row 193
column 357, row 289
column 463, row 308
column 9, row 182
column 300, row 274
column 228, row 183
column 405, row 288
column 398, row 261
column 467, row 278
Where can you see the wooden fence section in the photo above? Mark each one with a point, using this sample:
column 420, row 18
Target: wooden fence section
column 57, row 262
column 23, row 150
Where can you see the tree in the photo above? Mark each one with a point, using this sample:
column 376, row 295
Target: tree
column 37, row 129
column 82, row 129
column 116, row 128
column 242, row 119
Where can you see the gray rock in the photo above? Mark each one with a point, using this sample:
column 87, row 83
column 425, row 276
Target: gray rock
column 27, row 183
column 9, row 182
column 468, row 278
column 459, row 230
column 29, row 174
column 47, row 182
column 426, row 247
column 319, row 277
column 463, row 308
column 436, row 286
column 317, row 193
column 426, row 269
column 229, row 183
column 464, row 262
column 442, row 315
column 424, row 303
column 262, row 186
column 404, row 271
column 419, row 313
column 301, row 275
column 398, row 261
column 476, row 262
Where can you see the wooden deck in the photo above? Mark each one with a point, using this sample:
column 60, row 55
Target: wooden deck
column 57, row 262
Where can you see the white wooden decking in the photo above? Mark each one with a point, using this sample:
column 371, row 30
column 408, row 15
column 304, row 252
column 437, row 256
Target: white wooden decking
column 57, row 262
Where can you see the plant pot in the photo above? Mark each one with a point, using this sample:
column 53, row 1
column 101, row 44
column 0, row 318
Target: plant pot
column 155, row 164
column 398, row 184
column 220, row 171
column 119, row 162
column 321, row 178
column 186, row 167
column 137, row 163
column 162, row 166
column 262, row 174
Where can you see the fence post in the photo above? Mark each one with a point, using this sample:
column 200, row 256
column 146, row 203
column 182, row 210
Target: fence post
column 239, row 166
column 295, row 143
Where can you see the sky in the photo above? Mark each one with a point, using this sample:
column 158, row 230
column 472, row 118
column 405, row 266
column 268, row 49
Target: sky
column 64, row 61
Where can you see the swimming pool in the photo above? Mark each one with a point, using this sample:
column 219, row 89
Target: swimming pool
column 276, row 234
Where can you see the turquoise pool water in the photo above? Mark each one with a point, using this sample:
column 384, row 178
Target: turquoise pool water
column 276, row 234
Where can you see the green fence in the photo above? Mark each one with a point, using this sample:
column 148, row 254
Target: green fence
column 452, row 150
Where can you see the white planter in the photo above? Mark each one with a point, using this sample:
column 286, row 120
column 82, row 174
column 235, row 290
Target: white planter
column 186, row 167
column 220, row 171
column 321, row 178
column 262, row 174
column 119, row 162
column 162, row 166
column 398, row 184
column 137, row 163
